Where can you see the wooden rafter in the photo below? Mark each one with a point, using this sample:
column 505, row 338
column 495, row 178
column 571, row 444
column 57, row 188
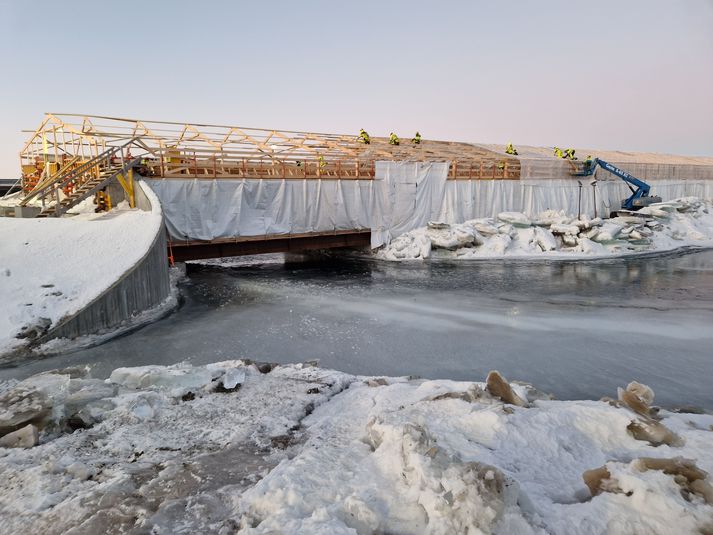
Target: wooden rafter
column 210, row 150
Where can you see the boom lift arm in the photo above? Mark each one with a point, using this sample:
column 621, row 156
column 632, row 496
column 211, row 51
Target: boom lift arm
column 639, row 189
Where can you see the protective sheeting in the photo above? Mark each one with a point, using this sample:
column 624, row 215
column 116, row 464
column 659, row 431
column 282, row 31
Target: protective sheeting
column 408, row 196
column 472, row 199
column 540, row 195
column 201, row 209
column 402, row 197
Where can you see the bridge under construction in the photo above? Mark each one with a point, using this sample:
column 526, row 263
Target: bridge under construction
column 70, row 157
column 206, row 151
column 228, row 190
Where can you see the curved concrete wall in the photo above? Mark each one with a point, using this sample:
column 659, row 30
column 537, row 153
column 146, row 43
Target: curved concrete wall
column 144, row 286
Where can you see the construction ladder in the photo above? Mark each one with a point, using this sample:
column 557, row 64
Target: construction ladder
column 78, row 181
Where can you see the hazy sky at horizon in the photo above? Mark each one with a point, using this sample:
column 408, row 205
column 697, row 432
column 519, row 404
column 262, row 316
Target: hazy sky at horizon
column 635, row 75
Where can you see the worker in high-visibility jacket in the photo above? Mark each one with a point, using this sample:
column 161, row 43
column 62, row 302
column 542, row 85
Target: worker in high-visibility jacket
column 559, row 153
column 416, row 140
column 322, row 162
column 509, row 149
column 394, row 139
column 68, row 188
column 364, row 137
column 103, row 201
column 569, row 154
column 588, row 162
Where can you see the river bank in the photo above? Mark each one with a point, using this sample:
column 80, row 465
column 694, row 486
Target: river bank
column 296, row 448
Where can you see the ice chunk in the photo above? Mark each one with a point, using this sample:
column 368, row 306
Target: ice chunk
column 506, row 228
column 552, row 217
column 500, row 388
column 655, row 211
column 559, row 228
column 584, row 223
column 608, row 232
column 484, row 228
column 85, row 392
column 515, row 218
column 232, row 378
column 26, row 437
column 409, row 246
column 20, row 405
column 644, row 392
column 588, row 246
column 655, row 433
column 179, row 377
column 569, row 240
column 497, row 244
column 545, row 239
column 452, row 237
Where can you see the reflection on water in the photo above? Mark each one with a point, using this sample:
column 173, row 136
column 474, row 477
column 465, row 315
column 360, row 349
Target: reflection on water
column 578, row 329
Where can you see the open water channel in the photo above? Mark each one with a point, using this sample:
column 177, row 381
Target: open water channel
column 576, row 329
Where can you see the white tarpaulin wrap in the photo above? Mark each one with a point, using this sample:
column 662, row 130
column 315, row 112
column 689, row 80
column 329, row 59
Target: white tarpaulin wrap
column 408, row 196
column 211, row 209
column 402, row 197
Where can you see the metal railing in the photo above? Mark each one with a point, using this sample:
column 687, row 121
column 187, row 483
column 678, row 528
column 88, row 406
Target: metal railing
column 72, row 177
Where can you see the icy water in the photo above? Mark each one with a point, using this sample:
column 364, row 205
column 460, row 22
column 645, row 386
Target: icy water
column 576, row 329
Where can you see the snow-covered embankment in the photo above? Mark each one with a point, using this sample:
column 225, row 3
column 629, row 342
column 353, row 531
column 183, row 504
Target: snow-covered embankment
column 684, row 222
column 298, row 449
column 52, row 268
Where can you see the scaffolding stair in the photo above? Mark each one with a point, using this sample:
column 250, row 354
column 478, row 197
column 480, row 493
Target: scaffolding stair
column 87, row 188
column 79, row 182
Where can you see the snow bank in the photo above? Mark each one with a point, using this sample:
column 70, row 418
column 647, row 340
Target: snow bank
column 298, row 449
column 51, row 268
column 685, row 222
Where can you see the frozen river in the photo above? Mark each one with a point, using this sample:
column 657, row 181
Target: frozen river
column 577, row 330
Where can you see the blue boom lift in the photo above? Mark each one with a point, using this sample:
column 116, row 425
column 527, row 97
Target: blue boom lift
column 639, row 197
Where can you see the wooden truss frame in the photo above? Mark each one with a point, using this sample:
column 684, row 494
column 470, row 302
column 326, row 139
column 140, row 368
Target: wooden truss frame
column 183, row 150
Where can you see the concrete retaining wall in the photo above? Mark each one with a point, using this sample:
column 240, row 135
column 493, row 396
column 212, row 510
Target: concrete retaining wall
column 144, row 286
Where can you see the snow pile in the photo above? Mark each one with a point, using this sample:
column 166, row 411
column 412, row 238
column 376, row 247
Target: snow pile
column 685, row 222
column 258, row 448
column 51, row 268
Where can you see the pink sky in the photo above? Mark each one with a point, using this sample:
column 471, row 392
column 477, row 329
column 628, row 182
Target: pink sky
column 635, row 75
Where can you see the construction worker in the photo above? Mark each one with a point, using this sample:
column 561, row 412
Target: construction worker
column 559, row 153
column 569, row 154
column 103, row 201
column 322, row 163
column 509, row 149
column 416, row 140
column 394, row 139
column 588, row 163
column 69, row 188
column 363, row 137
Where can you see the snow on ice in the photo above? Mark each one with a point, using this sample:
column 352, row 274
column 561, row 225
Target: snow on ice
column 256, row 448
column 685, row 222
column 42, row 282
